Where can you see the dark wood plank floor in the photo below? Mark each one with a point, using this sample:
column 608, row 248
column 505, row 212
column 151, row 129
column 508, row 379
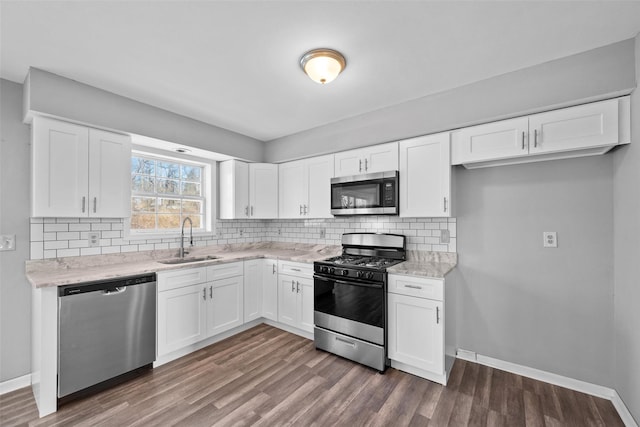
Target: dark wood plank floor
column 268, row 377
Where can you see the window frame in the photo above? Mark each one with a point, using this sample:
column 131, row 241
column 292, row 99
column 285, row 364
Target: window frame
column 207, row 191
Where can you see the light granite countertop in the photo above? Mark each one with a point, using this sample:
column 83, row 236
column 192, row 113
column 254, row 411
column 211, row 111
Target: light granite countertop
column 74, row 270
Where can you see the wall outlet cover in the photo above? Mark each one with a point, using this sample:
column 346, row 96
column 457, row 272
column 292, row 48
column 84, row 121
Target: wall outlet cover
column 550, row 239
column 8, row 242
column 94, row 239
column 323, row 233
column 445, row 237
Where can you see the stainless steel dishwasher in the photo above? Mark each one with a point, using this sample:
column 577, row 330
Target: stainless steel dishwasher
column 105, row 329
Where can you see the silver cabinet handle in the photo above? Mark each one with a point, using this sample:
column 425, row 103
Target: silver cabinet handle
column 366, row 165
column 360, row 165
column 445, row 204
column 246, row 211
column 437, row 315
column 300, row 209
column 413, row 286
column 351, row 343
column 95, row 204
column 251, row 210
column 297, row 287
column 211, row 292
column 293, row 286
column 204, row 294
column 273, row 269
column 535, row 137
column 84, row 199
column 523, row 140
column 295, row 269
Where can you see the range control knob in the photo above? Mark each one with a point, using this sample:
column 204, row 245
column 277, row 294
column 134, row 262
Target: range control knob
column 361, row 274
column 324, row 269
column 331, row 270
column 344, row 272
column 370, row 275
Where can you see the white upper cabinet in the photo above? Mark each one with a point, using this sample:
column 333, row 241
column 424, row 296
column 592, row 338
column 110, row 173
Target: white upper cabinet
column 304, row 187
column 79, row 171
column 584, row 130
column 377, row 158
column 497, row 140
column 425, row 176
column 248, row 190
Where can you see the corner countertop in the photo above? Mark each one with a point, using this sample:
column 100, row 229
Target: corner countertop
column 74, row 270
column 426, row 264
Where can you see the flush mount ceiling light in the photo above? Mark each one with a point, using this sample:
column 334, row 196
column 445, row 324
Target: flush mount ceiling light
column 322, row 65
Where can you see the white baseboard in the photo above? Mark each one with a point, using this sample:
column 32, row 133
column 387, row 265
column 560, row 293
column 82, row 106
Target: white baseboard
column 15, row 384
column 551, row 378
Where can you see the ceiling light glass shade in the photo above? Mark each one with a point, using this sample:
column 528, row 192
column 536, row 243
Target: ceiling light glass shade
column 323, row 65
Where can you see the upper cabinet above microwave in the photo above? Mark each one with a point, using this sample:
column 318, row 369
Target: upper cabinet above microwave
column 79, row 171
column 583, row 130
column 377, row 158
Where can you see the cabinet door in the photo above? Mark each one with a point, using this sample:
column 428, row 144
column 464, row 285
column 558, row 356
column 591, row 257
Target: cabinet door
column 291, row 189
column 585, row 126
column 319, row 174
column 416, row 332
column 425, row 176
column 60, row 169
column 263, row 190
column 270, row 289
column 287, row 300
column 234, row 189
column 304, row 289
column 498, row 140
column 181, row 318
column 349, row 163
column 381, row 158
column 109, row 175
column 252, row 289
column 225, row 305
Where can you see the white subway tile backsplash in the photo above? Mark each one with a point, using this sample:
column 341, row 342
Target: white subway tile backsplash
column 62, row 238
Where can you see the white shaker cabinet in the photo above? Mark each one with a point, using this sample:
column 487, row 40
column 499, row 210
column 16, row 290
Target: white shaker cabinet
column 425, row 176
column 270, row 289
column 583, row 130
column 253, row 289
column 295, row 295
column 376, row 158
column 416, row 335
column 248, row 190
column 225, row 297
column 79, row 171
column 304, row 188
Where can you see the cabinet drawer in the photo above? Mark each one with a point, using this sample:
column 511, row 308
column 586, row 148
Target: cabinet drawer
column 224, row 271
column 180, row 278
column 421, row 287
column 295, row 268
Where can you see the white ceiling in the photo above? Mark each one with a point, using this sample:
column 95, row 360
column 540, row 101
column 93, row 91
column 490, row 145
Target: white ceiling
column 235, row 65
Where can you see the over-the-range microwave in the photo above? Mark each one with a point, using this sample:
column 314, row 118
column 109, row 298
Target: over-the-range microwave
column 367, row 194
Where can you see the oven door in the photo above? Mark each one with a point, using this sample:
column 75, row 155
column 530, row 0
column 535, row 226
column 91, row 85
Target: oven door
column 350, row 307
column 375, row 194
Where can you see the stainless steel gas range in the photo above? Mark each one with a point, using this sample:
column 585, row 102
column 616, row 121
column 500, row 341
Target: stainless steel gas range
column 350, row 297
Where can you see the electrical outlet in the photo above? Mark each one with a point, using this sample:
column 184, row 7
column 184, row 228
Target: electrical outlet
column 8, row 242
column 94, row 239
column 241, row 231
column 323, row 233
column 445, row 237
column 279, row 231
column 550, row 239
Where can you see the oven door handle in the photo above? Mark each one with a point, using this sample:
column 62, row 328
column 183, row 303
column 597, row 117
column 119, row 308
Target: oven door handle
column 343, row 282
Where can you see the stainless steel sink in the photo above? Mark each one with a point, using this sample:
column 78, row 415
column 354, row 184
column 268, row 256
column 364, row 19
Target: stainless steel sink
column 187, row 260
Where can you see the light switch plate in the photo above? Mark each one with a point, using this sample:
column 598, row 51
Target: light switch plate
column 550, row 239
column 323, row 233
column 8, row 242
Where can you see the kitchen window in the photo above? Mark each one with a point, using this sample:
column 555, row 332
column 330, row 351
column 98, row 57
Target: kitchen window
column 164, row 191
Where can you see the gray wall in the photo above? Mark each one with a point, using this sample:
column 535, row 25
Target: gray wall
column 58, row 96
column 627, row 254
column 546, row 308
column 15, row 291
column 587, row 76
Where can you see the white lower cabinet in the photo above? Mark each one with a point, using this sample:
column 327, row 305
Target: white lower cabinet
column 253, row 289
column 416, row 335
column 295, row 296
column 198, row 303
column 270, row 289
